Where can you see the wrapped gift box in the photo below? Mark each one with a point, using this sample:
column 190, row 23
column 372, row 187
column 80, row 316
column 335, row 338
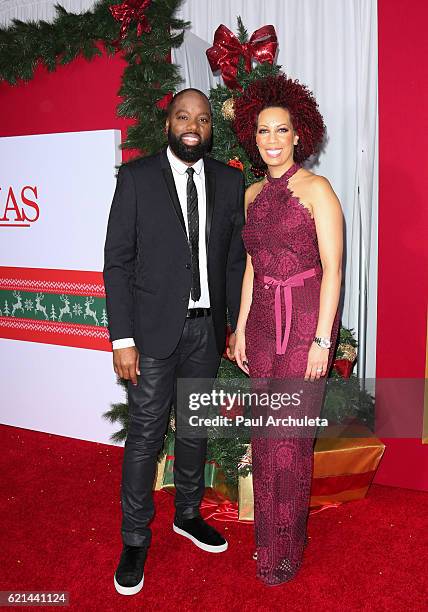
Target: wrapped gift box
column 216, row 487
column 344, row 467
column 159, row 474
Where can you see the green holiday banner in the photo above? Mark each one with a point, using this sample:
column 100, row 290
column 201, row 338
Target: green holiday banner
column 64, row 307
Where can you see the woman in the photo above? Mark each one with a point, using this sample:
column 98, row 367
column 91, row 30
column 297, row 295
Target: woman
column 288, row 321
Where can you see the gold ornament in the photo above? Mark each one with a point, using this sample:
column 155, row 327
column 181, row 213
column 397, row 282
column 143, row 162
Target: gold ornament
column 348, row 351
column 228, row 109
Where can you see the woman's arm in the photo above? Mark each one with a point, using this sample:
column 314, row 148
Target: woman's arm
column 329, row 227
column 246, row 299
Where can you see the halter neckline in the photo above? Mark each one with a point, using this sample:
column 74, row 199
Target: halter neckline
column 284, row 177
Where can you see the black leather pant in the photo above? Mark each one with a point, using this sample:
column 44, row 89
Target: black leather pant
column 196, row 356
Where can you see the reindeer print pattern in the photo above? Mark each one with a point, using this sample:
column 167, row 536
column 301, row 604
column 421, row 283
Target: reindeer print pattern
column 61, row 308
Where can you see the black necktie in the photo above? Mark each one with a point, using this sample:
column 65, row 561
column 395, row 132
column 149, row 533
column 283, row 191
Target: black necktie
column 193, row 222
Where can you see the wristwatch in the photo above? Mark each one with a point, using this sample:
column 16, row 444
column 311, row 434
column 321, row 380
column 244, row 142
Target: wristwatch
column 323, row 342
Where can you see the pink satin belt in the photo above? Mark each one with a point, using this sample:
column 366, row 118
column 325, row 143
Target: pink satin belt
column 298, row 280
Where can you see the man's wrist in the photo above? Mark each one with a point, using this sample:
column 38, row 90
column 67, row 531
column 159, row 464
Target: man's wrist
column 123, row 343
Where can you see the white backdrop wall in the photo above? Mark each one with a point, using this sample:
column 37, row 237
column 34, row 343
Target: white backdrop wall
column 47, row 387
column 34, row 10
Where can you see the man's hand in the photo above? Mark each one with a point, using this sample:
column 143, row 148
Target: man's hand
column 230, row 351
column 126, row 363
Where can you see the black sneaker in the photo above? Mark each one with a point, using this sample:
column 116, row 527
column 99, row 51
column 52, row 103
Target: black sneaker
column 201, row 534
column 129, row 576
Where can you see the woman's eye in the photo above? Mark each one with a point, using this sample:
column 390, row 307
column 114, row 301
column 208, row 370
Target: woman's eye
column 283, row 130
column 262, row 131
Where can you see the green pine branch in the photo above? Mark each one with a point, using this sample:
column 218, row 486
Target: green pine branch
column 347, row 336
column 242, row 32
column 146, row 80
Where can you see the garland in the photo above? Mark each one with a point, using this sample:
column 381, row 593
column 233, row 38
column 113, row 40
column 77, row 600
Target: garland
column 147, row 80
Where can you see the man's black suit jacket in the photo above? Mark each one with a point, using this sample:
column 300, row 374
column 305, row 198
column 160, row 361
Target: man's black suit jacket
column 147, row 260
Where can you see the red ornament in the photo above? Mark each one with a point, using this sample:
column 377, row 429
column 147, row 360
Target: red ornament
column 231, row 408
column 131, row 10
column 164, row 102
column 236, row 163
column 228, row 334
column 343, row 367
column 225, row 53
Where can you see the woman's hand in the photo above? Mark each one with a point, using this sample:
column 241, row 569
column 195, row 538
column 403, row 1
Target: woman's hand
column 240, row 354
column 317, row 362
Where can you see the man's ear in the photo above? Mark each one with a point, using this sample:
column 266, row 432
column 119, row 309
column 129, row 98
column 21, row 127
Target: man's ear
column 166, row 127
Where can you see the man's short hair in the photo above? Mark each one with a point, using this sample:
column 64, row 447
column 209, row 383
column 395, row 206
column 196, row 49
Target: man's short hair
column 184, row 91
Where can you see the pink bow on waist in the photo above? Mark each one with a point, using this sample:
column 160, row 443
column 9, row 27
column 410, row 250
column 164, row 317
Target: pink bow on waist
column 297, row 280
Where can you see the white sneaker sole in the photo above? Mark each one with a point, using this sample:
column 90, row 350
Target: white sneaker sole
column 207, row 547
column 128, row 590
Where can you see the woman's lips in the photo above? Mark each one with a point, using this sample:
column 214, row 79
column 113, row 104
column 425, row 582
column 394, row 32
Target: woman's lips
column 273, row 152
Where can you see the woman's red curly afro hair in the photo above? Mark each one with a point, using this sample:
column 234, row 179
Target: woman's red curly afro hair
column 279, row 91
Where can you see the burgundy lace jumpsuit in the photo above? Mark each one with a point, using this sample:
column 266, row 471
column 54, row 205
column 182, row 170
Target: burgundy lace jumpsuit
column 281, row 238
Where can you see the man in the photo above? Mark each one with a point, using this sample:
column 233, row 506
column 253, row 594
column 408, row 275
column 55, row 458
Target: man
column 174, row 261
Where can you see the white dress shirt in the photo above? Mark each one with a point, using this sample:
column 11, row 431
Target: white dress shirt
column 180, row 179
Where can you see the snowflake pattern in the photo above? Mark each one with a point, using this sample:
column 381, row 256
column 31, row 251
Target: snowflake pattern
column 77, row 309
column 55, row 307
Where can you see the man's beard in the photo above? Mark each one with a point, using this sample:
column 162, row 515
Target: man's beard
column 186, row 153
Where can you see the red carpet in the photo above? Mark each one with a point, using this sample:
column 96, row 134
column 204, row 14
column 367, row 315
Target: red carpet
column 60, row 531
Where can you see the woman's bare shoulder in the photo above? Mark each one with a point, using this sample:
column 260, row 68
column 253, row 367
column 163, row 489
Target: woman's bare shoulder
column 311, row 184
column 315, row 181
column 320, row 193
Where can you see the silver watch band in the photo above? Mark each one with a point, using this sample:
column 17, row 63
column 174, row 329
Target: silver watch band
column 322, row 342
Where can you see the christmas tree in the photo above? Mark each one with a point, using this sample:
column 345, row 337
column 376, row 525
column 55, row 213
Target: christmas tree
column 104, row 320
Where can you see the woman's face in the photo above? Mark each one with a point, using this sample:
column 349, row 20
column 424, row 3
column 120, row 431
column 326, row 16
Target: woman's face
column 275, row 136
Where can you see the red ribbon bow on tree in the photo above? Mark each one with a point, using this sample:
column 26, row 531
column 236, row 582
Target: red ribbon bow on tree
column 131, row 10
column 225, row 53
